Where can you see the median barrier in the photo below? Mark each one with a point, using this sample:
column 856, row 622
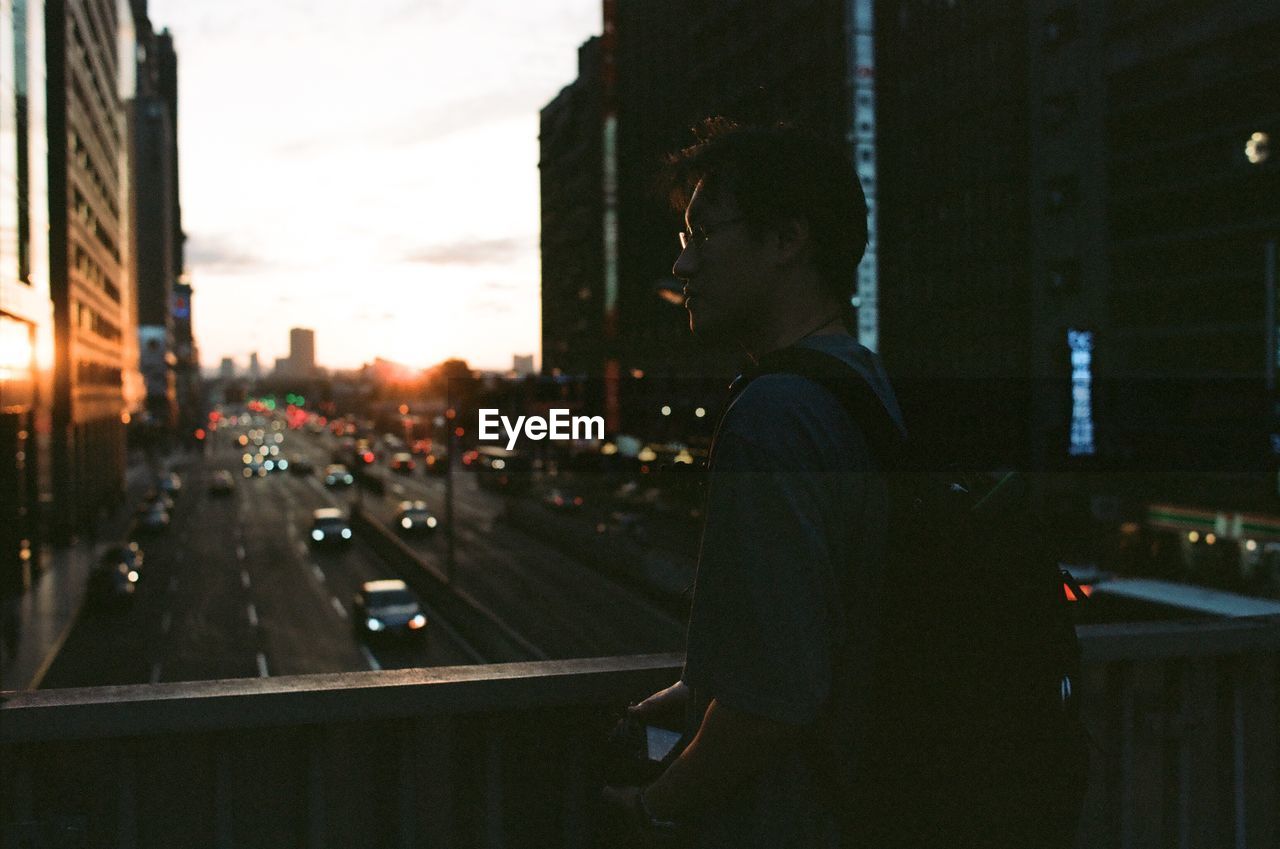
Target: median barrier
column 488, row 635
column 663, row 579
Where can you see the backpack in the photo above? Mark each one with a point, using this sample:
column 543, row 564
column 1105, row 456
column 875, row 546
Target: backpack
column 969, row 734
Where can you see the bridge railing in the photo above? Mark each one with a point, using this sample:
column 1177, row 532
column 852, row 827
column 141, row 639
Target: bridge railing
column 1185, row 718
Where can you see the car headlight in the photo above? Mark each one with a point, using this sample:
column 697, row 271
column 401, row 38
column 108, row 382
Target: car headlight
column 417, row 622
column 406, row 523
column 284, row 464
column 431, row 521
column 346, row 533
column 374, row 624
column 317, row 535
column 133, row 576
column 348, row 479
column 329, row 479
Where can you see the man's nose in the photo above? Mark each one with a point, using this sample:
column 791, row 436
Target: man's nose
column 686, row 264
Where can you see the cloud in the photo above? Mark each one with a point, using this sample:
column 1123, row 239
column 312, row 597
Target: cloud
column 473, row 252
column 217, row 253
column 424, row 126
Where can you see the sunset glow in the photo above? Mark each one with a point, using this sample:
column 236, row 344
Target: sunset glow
column 366, row 170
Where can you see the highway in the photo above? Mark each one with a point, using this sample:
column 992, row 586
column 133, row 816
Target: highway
column 235, row 588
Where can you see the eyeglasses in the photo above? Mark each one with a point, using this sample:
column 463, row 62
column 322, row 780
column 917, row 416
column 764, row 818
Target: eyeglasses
column 702, row 232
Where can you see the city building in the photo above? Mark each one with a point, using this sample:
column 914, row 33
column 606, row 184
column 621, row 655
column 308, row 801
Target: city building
column 155, row 213
column 226, row 369
column 522, row 365
column 302, row 352
column 1081, row 281
column 572, row 243
column 89, row 283
column 186, row 368
column 26, row 308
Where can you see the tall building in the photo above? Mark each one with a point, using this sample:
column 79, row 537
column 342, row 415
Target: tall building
column 26, row 310
column 227, row 369
column 1082, row 278
column 88, row 284
column 155, row 214
column 186, row 368
column 571, row 173
column 302, row 351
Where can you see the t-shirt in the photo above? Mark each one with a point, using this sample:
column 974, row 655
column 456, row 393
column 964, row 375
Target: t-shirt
column 795, row 514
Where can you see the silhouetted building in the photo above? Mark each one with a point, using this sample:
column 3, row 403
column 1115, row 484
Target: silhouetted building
column 522, row 364
column 91, row 303
column 191, row 406
column 226, row 369
column 302, row 352
column 156, row 232
column 1074, row 240
column 571, row 172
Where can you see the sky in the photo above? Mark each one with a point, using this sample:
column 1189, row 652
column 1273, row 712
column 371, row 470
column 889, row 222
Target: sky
column 366, row 169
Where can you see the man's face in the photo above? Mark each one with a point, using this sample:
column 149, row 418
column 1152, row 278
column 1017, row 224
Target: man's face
column 726, row 273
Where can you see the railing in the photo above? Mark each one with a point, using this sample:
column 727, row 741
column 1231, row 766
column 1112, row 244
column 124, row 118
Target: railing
column 1185, row 715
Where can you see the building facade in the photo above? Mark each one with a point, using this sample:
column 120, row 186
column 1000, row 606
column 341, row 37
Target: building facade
column 87, row 137
column 156, row 216
column 26, row 309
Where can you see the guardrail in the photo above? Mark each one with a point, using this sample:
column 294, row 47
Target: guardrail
column 1186, row 717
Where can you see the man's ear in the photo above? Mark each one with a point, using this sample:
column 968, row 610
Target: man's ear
column 793, row 239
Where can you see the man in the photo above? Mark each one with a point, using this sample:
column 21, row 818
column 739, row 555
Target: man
column 775, row 226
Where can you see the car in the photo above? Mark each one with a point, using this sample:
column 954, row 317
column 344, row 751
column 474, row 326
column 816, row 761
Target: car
column 154, row 519
column 403, row 463
column 170, row 483
column 437, row 463
column 388, row 608
column 154, row 497
column 113, row 580
column 336, row 474
column 223, row 483
column 414, row 518
column 559, row 499
column 329, row 525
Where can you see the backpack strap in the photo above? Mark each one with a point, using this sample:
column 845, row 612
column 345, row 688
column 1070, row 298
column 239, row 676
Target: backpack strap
column 849, row 387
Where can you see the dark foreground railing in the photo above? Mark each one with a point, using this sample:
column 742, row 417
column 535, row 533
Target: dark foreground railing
column 1186, row 718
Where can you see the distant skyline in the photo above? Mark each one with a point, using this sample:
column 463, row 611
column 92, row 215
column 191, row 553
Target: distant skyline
column 367, row 170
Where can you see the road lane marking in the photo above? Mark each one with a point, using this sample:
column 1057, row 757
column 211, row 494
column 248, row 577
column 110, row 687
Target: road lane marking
column 262, row 665
column 318, row 572
column 244, row 579
column 165, row 622
column 337, row 605
column 253, row 616
column 155, row 673
column 240, row 552
column 368, row 656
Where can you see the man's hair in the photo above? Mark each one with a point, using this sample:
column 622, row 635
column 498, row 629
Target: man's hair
column 777, row 174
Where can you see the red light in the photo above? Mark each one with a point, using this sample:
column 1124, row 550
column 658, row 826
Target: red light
column 215, row 416
column 458, row 432
column 199, row 433
column 1086, row 589
column 367, row 456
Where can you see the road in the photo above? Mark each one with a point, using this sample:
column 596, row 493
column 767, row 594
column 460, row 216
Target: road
column 234, row 588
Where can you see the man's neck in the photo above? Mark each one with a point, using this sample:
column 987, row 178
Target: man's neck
column 793, row 328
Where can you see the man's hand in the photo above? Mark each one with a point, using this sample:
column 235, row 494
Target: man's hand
column 664, row 708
